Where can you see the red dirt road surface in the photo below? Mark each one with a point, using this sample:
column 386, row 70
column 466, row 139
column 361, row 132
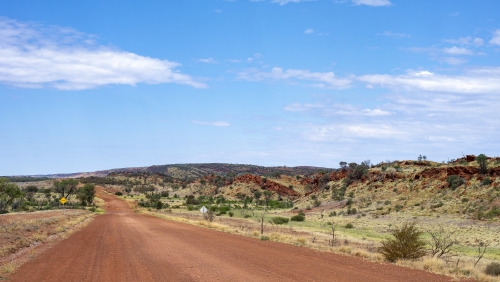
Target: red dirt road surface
column 124, row 246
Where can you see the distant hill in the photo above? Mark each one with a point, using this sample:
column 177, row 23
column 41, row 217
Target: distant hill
column 189, row 171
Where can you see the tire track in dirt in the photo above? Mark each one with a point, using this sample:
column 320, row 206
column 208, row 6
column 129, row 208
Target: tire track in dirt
column 124, row 246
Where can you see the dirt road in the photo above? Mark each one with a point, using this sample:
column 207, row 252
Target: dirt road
column 124, row 246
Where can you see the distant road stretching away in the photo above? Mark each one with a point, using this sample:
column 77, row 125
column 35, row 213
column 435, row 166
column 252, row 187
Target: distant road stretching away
column 124, row 246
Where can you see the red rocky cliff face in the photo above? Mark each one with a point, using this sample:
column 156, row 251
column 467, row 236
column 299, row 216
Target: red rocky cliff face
column 269, row 185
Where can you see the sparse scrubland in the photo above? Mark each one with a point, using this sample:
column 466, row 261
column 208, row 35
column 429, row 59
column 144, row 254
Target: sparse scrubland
column 447, row 214
column 32, row 215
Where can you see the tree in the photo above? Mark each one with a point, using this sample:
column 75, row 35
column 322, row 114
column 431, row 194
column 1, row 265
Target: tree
column 342, row 164
column 481, row 250
column 441, row 242
column 267, row 197
column 262, row 220
column 65, row 187
column 257, row 195
column 482, row 161
column 8, row 193
column 86, row 194
column 406, row 244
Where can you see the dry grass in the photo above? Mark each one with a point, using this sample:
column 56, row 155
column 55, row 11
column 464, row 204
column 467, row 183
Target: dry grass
column 347, row 243
column 20, row 232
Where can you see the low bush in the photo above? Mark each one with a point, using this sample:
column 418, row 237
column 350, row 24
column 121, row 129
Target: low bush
column 279, row 220
column 493, row 269
column 300, row 217
column 486, row 181
column 455, row 181
column 406, row 244
column 349, row 226
column 352, row 211
column 119, row 193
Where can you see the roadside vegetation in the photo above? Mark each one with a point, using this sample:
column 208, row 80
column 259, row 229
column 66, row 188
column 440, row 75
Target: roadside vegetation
column 25, row 196
column 440, row 217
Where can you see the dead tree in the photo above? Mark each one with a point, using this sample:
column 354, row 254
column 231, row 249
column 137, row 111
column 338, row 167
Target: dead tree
column 441, row 242
column 481, row 249
column 262, row 221
column 333, row 234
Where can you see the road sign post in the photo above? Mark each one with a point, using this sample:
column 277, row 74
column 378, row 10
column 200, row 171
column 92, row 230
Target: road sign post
column 203, row 210
column 63, row 201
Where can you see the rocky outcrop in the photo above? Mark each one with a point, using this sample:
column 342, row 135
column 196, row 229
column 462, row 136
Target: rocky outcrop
column 268, row 185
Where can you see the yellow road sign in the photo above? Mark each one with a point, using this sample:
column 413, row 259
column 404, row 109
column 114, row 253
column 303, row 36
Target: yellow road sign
column 63, row 200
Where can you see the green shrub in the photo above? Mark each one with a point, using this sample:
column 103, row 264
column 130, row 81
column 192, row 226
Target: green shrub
column 300, row 217
column 437, row 205
column 264, row 238
column 317, row 203
column 406, row 244
column 159, row 205
column 486, row 181
column 230, row 213
column 119, row 193
column 349, row 226
column 494, row 212
column 398, row 207
column 164, row 194
column 493, row 269
column 455, row 181
column 333, row 213
column 279, row 220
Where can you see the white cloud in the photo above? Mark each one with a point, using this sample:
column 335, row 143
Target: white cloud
column 451, row 60
column 318, row 79
column 309, row 31
column 345, row 110
column 375, row 3
column 468, row 40
column 213, row 123
column 297, row 107
column 457, row 51
column 375, row 112
column 480, row 80
column 284, row 2
column 208, row 61
column 496, row 38
column 337, row 131
column 36, row 56
column 393, row 34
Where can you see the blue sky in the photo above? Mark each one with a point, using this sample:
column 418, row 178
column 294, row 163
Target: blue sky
column 91, row 85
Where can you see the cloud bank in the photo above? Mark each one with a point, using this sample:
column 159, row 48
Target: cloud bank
column 36, row 56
